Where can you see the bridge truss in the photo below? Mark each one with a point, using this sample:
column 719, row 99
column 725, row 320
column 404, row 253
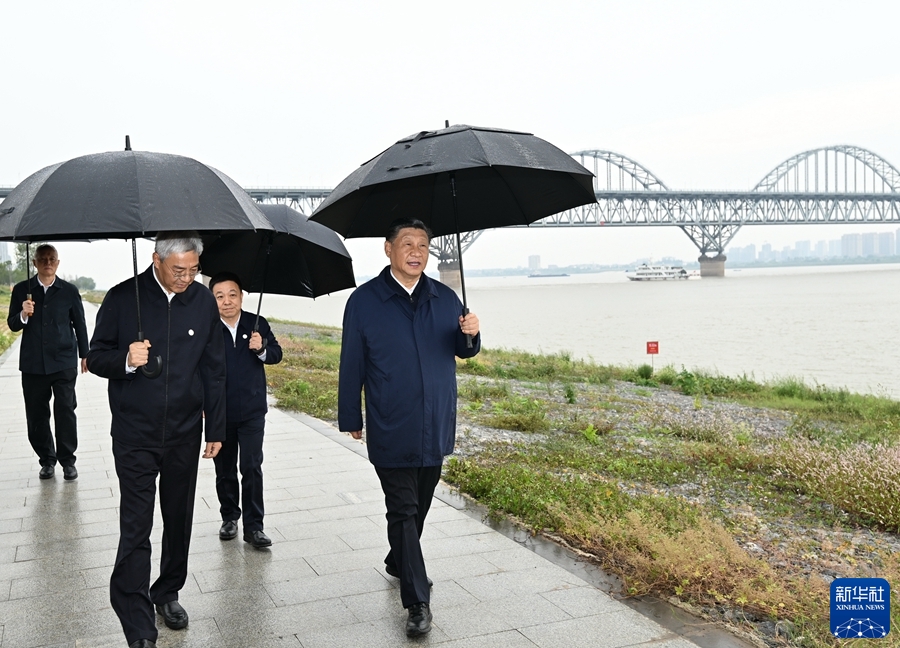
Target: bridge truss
column 838, row 184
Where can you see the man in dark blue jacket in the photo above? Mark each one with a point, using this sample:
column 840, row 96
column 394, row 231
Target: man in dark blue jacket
column 402, row 334
column 157, row 422
column 246, row 355
column 49, row 312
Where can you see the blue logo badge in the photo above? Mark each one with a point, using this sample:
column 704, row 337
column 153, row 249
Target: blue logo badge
column 860, row 608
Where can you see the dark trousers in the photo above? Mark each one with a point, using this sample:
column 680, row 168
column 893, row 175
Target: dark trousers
column 243, row 439
column 130, row 592
column 37, row 389
column 407, row 495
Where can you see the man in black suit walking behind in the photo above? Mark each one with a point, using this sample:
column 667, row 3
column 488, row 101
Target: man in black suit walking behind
column 50, row 315
column 247, row 351
column 157, row 423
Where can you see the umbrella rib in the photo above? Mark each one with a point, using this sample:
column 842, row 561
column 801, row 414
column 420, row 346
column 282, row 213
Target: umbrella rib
column 505, row 182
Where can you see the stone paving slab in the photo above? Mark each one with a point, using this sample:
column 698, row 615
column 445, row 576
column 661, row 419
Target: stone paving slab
column 322, row 583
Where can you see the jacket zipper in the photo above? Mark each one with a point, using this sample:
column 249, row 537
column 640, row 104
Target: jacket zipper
column 168, row 347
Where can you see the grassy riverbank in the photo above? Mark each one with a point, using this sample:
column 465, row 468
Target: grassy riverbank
column 7, row 337
column 739, row 499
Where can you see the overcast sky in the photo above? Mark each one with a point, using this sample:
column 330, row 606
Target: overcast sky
column 707, row 95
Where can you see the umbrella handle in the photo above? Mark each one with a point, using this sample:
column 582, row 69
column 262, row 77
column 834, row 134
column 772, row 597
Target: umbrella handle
column 146, row 370
column 468, row 337
column 153, row 373
column 263, row 347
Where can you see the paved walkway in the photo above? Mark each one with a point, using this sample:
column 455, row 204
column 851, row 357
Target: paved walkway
column 321, row 584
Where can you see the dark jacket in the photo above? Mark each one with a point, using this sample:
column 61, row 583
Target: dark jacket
column 187, row 333
column 56, row 335
column 246, row 382
column 406, row 359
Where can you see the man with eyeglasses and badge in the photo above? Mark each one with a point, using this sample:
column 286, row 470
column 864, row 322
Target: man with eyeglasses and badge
column 158, row 422
column 50, row 315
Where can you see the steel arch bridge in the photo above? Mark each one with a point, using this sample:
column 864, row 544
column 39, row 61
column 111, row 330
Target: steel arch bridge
column 836, row 184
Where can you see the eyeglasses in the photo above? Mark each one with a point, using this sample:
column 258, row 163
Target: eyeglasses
column 181, row 274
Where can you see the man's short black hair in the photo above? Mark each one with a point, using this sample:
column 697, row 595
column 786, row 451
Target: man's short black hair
column 402, row 223
column 225, row 276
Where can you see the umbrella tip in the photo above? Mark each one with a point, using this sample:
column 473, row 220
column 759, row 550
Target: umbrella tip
column 446, row 123
column 127, row 142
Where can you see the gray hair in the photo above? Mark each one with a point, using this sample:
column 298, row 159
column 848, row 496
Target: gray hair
column 43, row 247
column 178, row 243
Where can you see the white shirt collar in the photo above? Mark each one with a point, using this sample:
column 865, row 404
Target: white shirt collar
column 47, row 287
column 409, row 290
column 231, row 328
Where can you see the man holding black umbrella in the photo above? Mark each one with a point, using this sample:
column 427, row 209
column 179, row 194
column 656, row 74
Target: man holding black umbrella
column 401, row 336
column 248, row 348
column 157, row 422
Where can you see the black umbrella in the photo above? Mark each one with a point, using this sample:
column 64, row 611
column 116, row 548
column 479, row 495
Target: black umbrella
column 296, row 257
column 458, row 179
column 126, row 194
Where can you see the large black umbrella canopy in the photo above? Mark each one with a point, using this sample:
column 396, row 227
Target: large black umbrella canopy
column 502, row 178
column 125, row 194
column 296, row 257
column 458, row 179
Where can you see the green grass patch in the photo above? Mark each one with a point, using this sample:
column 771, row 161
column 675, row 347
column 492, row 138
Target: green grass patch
column 519, row 413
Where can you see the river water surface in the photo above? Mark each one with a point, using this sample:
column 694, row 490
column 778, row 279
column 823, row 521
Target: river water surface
column 832, row 325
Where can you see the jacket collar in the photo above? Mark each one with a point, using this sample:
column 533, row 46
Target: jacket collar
column 152, row 288
column 385, row 290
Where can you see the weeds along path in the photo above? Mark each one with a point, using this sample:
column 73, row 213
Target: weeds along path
column 740, row 499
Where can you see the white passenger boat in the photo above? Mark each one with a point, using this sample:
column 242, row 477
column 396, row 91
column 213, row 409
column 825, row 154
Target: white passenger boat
column 657, row 273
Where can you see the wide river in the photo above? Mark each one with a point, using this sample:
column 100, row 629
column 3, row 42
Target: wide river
column 831, row 325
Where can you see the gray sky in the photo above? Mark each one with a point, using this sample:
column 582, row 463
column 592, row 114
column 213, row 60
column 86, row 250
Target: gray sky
column 707, row 95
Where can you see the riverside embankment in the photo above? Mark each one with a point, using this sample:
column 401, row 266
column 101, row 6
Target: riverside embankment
column 722, row 494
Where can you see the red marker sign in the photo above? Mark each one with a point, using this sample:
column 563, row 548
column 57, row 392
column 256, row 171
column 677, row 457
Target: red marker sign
column 652, row 348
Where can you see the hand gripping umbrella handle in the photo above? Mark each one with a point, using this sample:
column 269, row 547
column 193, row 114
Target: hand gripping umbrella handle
column 153, row 373
column 146, row 370
column 468, row 337
column 265, row 341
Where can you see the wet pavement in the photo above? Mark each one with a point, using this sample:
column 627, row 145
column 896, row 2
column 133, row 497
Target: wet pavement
column 322, row 582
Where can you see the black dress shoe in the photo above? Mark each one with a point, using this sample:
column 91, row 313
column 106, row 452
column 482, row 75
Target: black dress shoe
column 174, row 616
column 228, row 530
column 419, row 621
column 70, row 473
column 46, row 472
column 143, row 643
column 392, row 571
column 258, row 539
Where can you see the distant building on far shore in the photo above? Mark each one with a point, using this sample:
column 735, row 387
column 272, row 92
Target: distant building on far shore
column 534, row 262
column 5, row 254
column 886, row 244
column 851, row 245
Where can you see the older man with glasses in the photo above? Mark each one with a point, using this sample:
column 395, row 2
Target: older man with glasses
column 50, row 315
column 157, row 423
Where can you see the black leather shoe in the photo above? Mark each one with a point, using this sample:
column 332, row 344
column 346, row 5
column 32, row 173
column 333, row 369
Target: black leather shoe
column 143, row 643
column 70, row 473
column 228, row 530
column 392, row 571
column 175, row 616
column 419, row 621
column 258, row 539
column 46, row 472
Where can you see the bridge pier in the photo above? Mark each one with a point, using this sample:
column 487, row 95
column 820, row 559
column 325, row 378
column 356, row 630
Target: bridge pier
column 712, row 267
column 450, row 274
